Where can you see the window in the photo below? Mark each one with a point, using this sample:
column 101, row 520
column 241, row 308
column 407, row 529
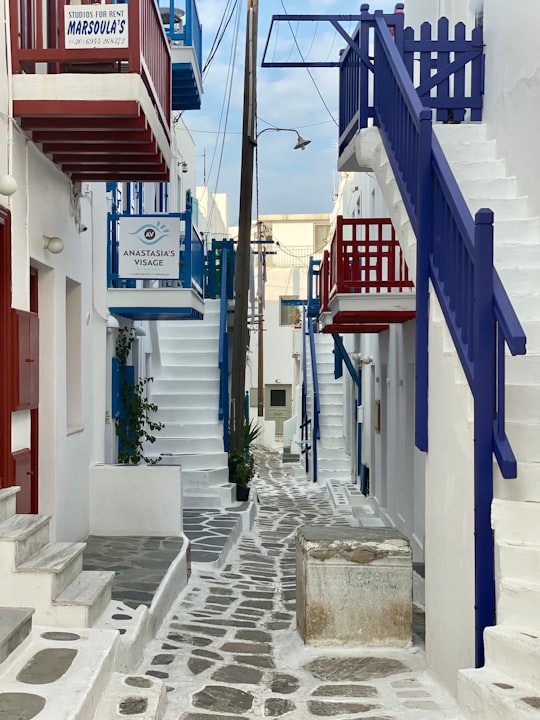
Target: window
column 278, row 398
column 290, row 310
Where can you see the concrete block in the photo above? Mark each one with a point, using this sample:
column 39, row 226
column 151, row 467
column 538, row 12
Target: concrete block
column 354, row 586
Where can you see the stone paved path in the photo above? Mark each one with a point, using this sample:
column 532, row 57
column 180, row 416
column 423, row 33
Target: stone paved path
column 230, row 650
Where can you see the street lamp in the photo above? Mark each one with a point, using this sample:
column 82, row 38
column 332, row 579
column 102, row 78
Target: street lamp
column 300, row 143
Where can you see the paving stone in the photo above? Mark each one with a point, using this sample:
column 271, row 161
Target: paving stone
column 330, row 709
column 363, row 668
column 207, row 654
column 133, row 706
column 199, row 665
column 278, row 625
column 237, row 675
column 157, row 674
column 275, row 707
column 247, row 648
column 284, row 684
column 207, row 716
column 421, row 705
column 163, row 659
column 47, row 666
column 220, row 599
column 262, row 661
column 254, row 635
column 223, row 699
column 532, row 701
column 20, row 706
column 412, row 694
column 345, row 691
column 203, row 628
column 189, row 639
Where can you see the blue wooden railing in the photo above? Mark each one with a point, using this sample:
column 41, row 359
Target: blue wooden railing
column 315, row 431
column 305, row 445
column 455, row 252
column 189, row 32
column 314, row 288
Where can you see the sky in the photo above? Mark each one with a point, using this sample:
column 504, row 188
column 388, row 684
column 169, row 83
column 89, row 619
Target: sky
column 286, row 181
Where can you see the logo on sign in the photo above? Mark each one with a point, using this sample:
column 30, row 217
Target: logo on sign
column 151, row 234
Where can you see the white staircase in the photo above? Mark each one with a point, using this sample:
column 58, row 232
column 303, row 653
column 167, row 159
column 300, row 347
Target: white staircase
column 186, row 391
column 47, row 576
column 334, row 464
column 508, row 687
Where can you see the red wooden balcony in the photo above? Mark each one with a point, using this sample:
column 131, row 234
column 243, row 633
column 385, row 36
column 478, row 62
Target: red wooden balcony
column 92, row 86
column 364, row 282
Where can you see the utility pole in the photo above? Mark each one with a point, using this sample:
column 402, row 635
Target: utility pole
column 260, row 333
column 243, row 253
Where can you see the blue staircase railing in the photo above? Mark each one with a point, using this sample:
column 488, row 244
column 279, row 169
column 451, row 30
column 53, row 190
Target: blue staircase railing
column 305, row 445
column 314, row 288
column 456, row 254
column 316, row 431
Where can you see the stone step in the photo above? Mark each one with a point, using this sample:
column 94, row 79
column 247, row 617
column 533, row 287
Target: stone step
column 489, row 695
column 195, row 461
column 460, row 132
column 192, row 479
column 58, row 564
column 518, row 604
column 515, row 522
column 137, row 696
column 193, row 429
column 220, row 496
column 8, row 499
column 83, row 601
column 178, row 446
column 514, row 652
column 201, row 386
column 15, row 626
column 20, row 537
column 58, row 674
column 204, row 371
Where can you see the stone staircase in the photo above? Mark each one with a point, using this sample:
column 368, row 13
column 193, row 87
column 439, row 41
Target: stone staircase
column 45, row 575
column 334, row 464
column 508, row 686
column 186, row 391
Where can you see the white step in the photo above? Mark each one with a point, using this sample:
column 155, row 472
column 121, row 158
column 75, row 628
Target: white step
column 8, row 500
column 193, row 430
column 202, row 414
column 488, row 695
column 460, row 132
column 525, row 487
column 464, row 151
column 193, row 400
column 188, row 349
column 178, row 387
column 207, row 461
column 216, row 497
column 204, row 478
column 20, row 537
column 503, row 208
column 515, row 521
column 76, row 693
column 137, row 696
column 513, row 652
column 83, row 601
column 15, row 626
column 56, row 564
column 208, row 371
column 180, row 446
column 472, row 169
column 518, row 604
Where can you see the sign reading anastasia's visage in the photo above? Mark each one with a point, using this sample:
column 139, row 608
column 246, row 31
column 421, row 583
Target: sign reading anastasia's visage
column 96, row 26
column 149, row 247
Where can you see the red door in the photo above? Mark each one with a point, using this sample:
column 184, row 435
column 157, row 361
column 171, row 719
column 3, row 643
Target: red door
column 5, row 343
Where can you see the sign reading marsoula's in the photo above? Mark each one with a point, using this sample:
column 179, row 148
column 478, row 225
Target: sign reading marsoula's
column 96, row 26
column 149, row 247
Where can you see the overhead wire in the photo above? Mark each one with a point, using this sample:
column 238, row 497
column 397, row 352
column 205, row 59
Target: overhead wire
column 307, row 68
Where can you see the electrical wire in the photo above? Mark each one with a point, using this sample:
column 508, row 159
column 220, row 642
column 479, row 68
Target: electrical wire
column 307, row 68
column 220, row 33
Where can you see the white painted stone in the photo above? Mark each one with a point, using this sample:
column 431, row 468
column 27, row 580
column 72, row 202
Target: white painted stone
column 135, row 500
column 354, row 586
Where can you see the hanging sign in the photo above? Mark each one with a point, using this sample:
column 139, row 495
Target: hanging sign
column 96, row 26
column 149, row 247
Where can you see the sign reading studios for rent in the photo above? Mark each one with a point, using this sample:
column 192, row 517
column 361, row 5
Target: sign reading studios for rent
column 96, row 26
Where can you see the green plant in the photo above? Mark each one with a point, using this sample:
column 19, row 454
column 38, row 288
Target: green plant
column 133, row 425
column 241, row 463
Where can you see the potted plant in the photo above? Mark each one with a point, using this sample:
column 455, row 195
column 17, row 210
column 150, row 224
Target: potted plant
column 133, row 425
column 241, row 463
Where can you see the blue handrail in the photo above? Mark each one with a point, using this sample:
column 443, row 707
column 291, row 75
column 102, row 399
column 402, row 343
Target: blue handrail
column 456, row 254
column 223, row 356
column 316, row 432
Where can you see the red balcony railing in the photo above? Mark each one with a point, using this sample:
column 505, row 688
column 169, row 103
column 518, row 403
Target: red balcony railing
column 38, row 43
column 365, row 257
column 364, row 260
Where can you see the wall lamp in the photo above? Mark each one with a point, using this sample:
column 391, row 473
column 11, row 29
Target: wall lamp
column 8, row 185
column 54, row 244
column 300, row 143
